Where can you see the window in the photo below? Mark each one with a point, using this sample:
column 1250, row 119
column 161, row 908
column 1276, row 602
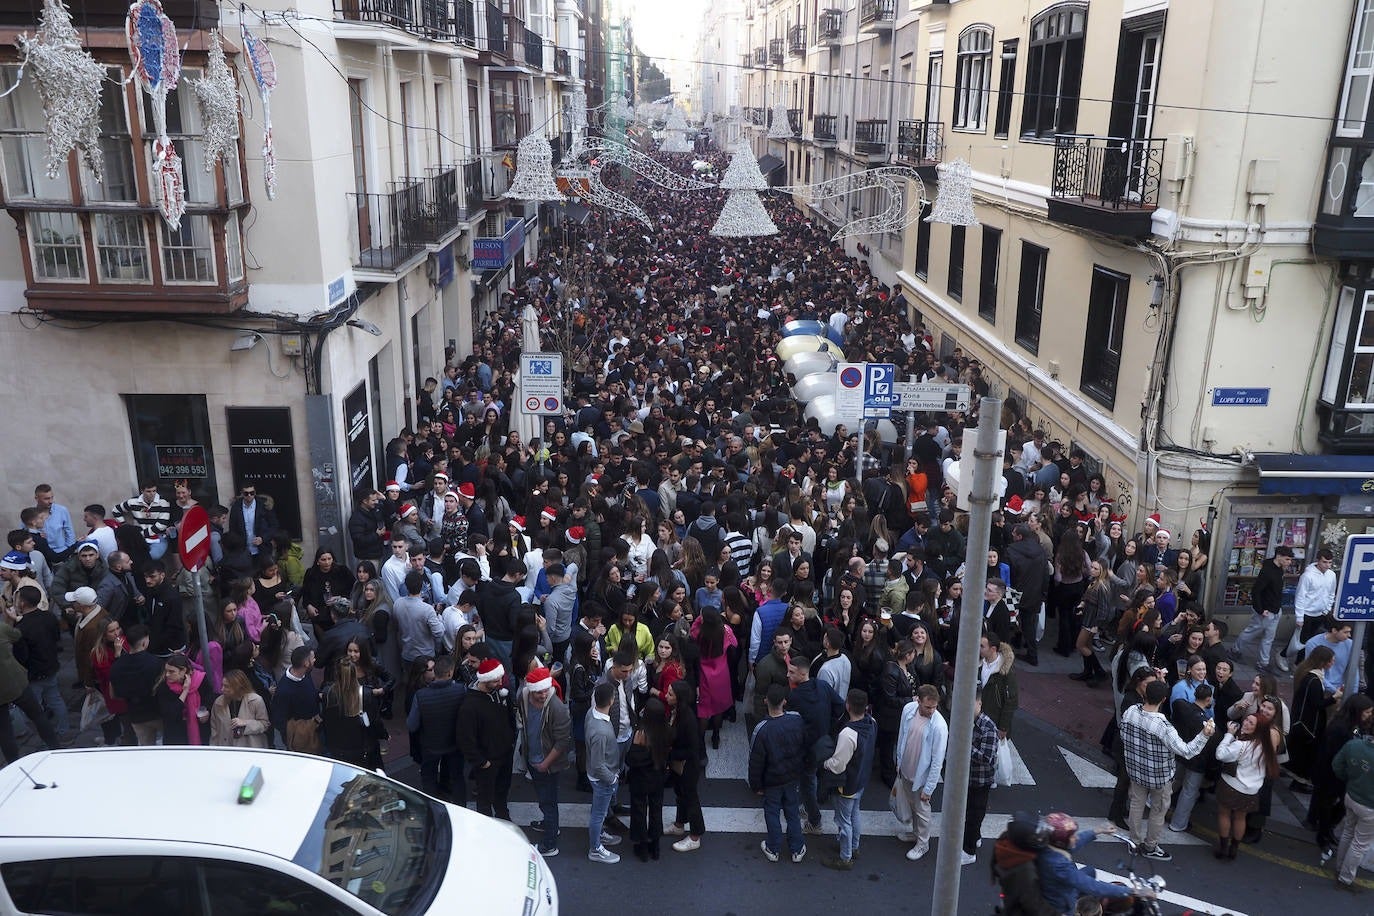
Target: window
column 233, row 247
column 59, row 251
column 409, row 161
column 989, row 263
column 23, row 149
column 1358, row 392
column 184, row 129
column 116, row 144
column 956, row 263
column 188, row 254
column 922, row 268
column 1359, row 74
column 1054, row 71
column 238, row 889
column 1104, row 332
column 935, row 74
column 1030, row 295
column 972, row 80
column 121, row 247
column 1006, row 89
column 103, row 886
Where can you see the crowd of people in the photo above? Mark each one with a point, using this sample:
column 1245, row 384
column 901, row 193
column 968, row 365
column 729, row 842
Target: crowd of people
column 681, row 549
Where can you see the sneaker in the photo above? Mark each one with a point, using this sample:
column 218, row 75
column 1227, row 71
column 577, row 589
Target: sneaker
column 906, row 836
column 811, row 829
column 837, row 863
column 1174, row 829
column 674, row 830
column 609, row 839
column 798, row 856
column 603, row 855
column 916, row 852
column 1282, row 663
column 537, row 825
column 966, row 859
column 768, row 854
column 547, row 852
column 1158, row 854
column 687, row 844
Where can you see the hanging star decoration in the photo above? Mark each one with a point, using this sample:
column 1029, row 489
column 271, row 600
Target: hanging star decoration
column 157, row 67
column 68, row 81
column 265, row 77
column 743, row 215
column 955, row 203
column 217, row 95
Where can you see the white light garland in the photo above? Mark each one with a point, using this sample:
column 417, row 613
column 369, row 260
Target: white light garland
column 608, row 151
column 217, row 95
column 898, row 213
column 955, row 203
column 534, row 171
column 68, row 81
column 781, row 128
column 743, row 216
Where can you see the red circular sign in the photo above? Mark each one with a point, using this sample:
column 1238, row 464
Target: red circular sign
column 531, row 403
column 193, row 539
column 851, row 377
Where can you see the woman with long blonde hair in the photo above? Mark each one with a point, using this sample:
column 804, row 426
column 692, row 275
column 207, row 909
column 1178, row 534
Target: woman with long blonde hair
column 238, row 717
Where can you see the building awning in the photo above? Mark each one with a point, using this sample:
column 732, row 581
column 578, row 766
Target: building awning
column 1282, row 473
column 768, row 163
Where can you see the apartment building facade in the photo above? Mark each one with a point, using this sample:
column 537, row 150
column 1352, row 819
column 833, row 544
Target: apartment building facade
column 275, row 342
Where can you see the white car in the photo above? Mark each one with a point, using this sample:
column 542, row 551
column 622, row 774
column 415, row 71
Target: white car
column 201, row 831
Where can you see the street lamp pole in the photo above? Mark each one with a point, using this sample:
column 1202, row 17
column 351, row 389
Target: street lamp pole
column 982, row 497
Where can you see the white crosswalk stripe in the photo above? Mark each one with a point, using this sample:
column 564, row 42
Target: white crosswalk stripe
column 1089, row 774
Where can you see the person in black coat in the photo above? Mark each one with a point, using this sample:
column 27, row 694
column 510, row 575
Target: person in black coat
column 1029, row 571
column 326, row 579
column 161, row 611
column 896, row 688
column 264, row 519
column 776, row 755
column 366, row 526
column 486, row 737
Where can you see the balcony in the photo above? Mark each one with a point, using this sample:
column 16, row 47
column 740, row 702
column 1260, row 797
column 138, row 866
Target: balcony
column 1345, row 220
column 756, row 117
column 534, row 49
column 776, row 53
column 389, row 233
column 921, row 145
column 495, row 177
column 870, row 137
column 794, row 121
column 747, row 62
column 443, row 205
column 562, row 63
column 437, row 20
column 1345, row 431
column 877, row 15
column 495, row 50
column 796, row 40
column 1106, row 184
column 823, row 130
column 465, row 26
column 127, row 261
column 186, row 15
column 471, row 174
column 760, row 57
column 829, row 27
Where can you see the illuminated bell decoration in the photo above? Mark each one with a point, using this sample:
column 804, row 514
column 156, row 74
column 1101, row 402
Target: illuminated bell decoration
column 676, row 120
column 781, row 128
column 743, row 172
column 743, row 216
column 955, row 203
column 68, row 81
column 217, row 95
column 534, row 171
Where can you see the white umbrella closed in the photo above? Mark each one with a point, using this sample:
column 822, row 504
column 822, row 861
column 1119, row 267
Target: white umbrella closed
column 528, row 425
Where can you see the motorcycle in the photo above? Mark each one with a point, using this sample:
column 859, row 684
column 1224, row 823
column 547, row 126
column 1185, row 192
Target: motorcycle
column 1145, row 889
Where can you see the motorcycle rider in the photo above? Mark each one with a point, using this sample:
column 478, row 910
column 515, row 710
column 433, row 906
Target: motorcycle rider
column 1062, row 881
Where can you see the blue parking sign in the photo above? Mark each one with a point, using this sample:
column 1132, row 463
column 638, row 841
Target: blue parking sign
column 1355, row 589
column 879, row 396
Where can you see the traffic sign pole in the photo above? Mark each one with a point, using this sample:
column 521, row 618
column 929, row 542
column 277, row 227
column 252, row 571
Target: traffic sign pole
column 1352, row 669
column 1355, row 599
column 193, row 548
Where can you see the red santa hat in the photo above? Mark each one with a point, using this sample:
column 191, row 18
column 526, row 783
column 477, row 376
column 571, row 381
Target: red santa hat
column 1153, row 520
column 407, row 509
column 393, row 485
column 539, row 680
column 440, row 475
column 576, row 534
column 1015, row 506
column 517, row 522
column 467, row 490
column 490, row 670
column 549, row 513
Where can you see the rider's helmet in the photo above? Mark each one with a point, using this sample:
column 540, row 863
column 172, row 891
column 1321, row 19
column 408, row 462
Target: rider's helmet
column 1028, row 831
column 1061, row 829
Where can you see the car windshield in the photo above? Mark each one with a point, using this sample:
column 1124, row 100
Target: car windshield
column 379, row 840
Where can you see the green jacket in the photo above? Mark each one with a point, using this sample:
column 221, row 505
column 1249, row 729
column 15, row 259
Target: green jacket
column 14, row 680
column 1000, row 693
column 1355, row 765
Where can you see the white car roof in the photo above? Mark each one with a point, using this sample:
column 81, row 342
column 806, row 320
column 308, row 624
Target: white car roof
column 180, row 794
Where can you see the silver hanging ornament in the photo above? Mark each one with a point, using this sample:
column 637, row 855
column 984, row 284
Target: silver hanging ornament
column 68, row 81
column 955, row 203
column 217, row 95
column 781, row 128
column 743, row 216
column 743, row 172
column 534, row 171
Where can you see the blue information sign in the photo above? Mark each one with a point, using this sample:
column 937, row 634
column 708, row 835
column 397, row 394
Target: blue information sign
column 1355, row 589
column 1240, row 397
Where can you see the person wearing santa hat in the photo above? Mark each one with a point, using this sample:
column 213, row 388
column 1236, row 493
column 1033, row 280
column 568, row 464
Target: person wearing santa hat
column 486, row 736
column 477, row 519
column 548, row 746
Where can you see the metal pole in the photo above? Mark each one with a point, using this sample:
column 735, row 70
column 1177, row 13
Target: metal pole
column 981, row 499
column 200, row 616
column 910, row 420
column 1352, row 670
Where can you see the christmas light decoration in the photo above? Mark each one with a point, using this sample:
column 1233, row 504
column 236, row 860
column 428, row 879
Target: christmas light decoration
column 743, row 216
column 893, row 218
column 602, row 196
column 608, row 151
column 265, row 77
column 955, row 203
column 217, row 95
column 743, row 171
column 781, row 128
column 157, row 67
column 68, row 81
column 534, row 170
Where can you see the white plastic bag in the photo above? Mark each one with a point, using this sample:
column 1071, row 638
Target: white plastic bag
column 94, row 711
column 900, row 805
column 1005, row 772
